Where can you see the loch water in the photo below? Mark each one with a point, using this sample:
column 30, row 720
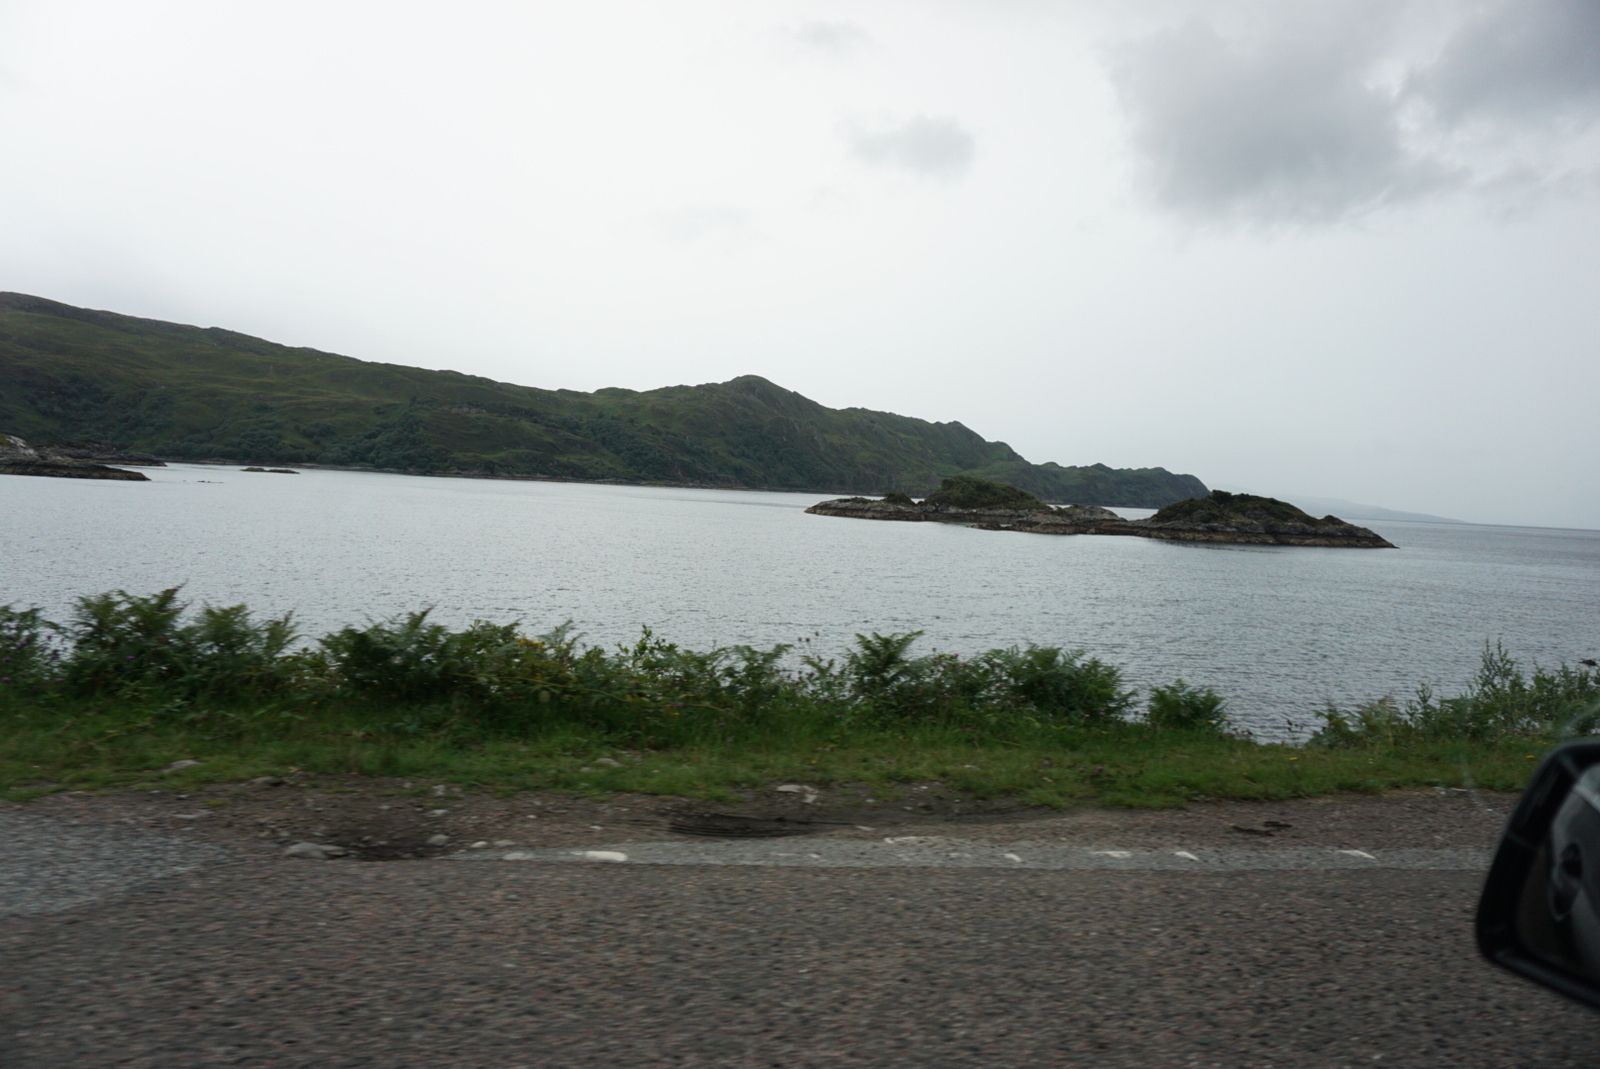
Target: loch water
column 1280, row 631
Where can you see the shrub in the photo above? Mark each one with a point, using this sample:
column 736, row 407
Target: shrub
column 123, row 643
column 879, row 673
column 1502, row 703
column 28, row 657
column 1037, row 682
column 409, row 659
column 1061, row 684
column 1180, row 707
column 968, row 492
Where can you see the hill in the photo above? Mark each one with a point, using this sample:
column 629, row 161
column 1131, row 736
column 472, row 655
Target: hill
column 73, row 376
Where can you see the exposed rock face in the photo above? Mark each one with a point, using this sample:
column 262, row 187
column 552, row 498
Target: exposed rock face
column 1273, row 527
column 19, row 458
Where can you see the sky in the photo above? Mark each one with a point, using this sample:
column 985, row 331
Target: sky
column 1340, row 249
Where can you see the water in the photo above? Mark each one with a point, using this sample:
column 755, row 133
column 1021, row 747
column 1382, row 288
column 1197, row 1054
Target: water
column 1280, row 631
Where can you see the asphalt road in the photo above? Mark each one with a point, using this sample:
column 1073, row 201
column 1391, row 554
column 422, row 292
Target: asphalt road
column 575, row 964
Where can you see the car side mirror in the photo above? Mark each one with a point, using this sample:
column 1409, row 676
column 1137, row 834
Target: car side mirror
column 1539, row 915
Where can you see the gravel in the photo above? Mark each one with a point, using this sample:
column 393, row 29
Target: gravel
column 435, row 965
column 48, row 865
column 1156, row 947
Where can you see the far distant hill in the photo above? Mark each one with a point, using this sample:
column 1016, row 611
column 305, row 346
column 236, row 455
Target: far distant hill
column 75, row 376
column 1352, row 509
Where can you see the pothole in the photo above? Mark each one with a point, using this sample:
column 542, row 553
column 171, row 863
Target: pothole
column 367, row 843
column 730, row 826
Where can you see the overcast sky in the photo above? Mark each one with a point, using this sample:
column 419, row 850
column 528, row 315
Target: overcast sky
column 1343, row 249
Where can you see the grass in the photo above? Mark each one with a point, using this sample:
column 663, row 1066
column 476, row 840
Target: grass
column 1131, row 764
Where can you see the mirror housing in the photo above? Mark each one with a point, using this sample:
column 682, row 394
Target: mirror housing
column 1539, row 915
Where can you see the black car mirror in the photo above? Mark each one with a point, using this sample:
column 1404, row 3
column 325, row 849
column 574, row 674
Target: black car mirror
column 1539, row 915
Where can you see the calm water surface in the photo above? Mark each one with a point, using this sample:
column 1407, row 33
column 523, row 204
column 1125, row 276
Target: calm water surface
column 1281, row 631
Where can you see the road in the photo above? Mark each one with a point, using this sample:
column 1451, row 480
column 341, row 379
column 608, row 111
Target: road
column 115, row 956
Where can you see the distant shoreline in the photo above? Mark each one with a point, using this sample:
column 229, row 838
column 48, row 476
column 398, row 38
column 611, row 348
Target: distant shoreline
column 552, row 479
column 1439, row 521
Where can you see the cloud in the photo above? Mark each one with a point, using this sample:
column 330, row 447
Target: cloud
column 928, row 145
column 1316, row 113
column 834, row 39
column 1277, row 128
column 1518, row 62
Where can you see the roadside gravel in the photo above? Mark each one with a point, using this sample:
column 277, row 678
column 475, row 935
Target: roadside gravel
column 50, row 865
column 395, row 819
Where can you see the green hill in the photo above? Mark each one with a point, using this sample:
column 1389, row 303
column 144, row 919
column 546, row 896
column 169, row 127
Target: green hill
column 74, row 376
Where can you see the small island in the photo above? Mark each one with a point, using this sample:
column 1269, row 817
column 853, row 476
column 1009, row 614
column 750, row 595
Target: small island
column 1218, row 517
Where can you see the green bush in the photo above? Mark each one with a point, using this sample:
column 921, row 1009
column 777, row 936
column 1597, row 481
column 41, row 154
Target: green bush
column 122, row 643
column 967, row 492
column 879, row 671
column 1180, row 707
column 156, row 652
column 409, row 659
column 1037, row 683
column 1060, row 684
column 28, row 656
column 1502, row 703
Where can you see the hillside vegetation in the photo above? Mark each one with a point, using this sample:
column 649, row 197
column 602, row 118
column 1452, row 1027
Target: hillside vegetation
column 75, row 376
column 965, row 492
column 1224, row 508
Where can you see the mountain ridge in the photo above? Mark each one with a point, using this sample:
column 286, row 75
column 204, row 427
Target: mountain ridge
column 76, row 375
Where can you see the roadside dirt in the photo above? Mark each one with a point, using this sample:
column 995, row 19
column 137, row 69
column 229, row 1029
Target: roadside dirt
column 392, row 819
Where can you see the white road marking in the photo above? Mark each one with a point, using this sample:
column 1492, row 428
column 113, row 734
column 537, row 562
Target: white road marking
column 951, row 853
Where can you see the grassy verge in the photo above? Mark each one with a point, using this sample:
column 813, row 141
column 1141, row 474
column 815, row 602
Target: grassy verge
column 132, row 685
column 48, row 749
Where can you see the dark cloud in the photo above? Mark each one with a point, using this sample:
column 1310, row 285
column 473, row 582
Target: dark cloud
column 1519, row 62
column 930, row 145
column 1313, row 113
column 1285, row 127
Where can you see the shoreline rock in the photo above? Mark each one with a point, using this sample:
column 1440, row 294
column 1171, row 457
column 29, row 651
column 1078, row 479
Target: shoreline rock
column 1093, row 520
column 19, row 458
column 100, row 453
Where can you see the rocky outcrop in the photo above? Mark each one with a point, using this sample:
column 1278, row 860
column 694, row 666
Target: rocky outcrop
column 1072, row 519
column 1276, row 527
column 19, row 458
column 1269, row 533
column 1247, row 518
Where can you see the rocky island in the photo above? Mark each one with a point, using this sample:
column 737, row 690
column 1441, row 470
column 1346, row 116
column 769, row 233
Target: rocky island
column 19, row 458
column 1218, row 517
